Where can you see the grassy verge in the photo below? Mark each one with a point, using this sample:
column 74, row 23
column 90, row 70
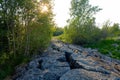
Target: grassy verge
column 111, row 47
column 58, row 37
column 8, row 64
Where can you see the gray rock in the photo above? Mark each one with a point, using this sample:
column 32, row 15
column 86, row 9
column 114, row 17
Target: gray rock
column 59, row 70
column 80, row 74
column 30, row 77
column 49, row 64
column 75, row 74
column 32, row 74
column 33, row 64
column 50, row 76
column 53, row 61
column 55, row 73
column 70, row 62
column 64, row 49
column 118, row 78
column 34, row 71
column 62, row 59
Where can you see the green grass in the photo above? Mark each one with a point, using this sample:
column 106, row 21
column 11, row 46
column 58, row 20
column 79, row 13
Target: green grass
column 8, row 64
column 60, row 37
column 106, row 47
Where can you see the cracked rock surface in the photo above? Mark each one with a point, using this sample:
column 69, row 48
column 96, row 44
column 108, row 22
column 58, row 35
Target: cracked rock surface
column 69, row 62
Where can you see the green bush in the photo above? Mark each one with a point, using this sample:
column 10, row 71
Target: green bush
column 58, row 31
column 82, row 35
column 8, row 63
column 106, row 47
column 40, row 36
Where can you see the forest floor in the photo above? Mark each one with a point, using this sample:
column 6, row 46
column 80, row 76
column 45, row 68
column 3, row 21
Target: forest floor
column 63, row 61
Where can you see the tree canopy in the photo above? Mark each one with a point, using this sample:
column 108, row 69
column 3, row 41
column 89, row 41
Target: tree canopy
column 25, row 29
column 82, row 23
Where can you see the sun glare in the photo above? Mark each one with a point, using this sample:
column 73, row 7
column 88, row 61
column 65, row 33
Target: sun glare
column 38, row 0
column 44, row 8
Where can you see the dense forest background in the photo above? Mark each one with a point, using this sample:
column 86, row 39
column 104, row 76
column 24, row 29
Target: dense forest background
column 27, row 26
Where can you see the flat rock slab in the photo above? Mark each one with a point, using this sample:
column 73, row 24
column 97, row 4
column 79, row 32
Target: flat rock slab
column 81, row 74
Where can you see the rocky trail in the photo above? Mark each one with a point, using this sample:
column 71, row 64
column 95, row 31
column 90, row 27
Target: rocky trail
column 69, row 62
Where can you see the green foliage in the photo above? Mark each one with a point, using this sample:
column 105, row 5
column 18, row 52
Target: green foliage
column 87, row 33
column 24, row 30
column 39, row 37
column 58, row 31
column 114, row 30
column 8, row 63
column 81, row 28
column 109, row 31
column 107, row 47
